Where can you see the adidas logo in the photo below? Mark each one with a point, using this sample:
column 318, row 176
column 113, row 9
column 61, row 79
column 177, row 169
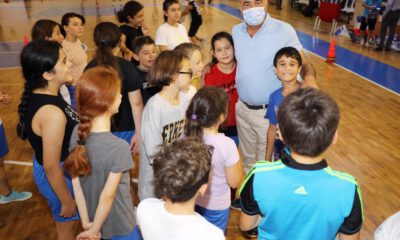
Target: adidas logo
column 301, row 191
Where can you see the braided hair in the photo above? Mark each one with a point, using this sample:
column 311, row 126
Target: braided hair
column 36, row 58
column 95, row 93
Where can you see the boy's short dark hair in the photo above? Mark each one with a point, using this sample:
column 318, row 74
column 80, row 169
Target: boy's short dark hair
column 308, row 120
column 67, row 16
column 139, row 42
column 288, row 52
column 181, row 168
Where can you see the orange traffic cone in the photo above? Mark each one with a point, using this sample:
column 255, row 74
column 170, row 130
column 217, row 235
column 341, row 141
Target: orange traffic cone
column 26, row 41
column 330, row 58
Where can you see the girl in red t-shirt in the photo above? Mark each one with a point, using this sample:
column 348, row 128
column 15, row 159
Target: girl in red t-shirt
column 222, row 74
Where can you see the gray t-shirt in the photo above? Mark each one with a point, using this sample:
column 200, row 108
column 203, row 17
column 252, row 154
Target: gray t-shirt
column 161, row 123
column 107, row 154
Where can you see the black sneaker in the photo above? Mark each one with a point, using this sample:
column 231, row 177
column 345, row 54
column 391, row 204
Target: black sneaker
column 379, row 49
column 253, row 233
column 235, row 204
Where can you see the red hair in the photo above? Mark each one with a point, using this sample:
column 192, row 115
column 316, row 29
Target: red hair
column 95, row 93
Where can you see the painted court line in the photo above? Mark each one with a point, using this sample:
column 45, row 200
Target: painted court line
column 12, row 162
column 376, row 84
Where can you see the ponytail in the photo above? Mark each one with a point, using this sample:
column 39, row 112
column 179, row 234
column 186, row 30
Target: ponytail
column 77, row 164
column 21, row 111
column 104, row 57
column 106, row 36
column 95, row 94
column 130, row 9
column 193, row 127
column 204, row 111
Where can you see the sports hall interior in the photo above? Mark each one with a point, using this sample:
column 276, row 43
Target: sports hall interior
column 364, row 82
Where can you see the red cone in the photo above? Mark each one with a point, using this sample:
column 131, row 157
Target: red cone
column 330, row 58
column 26, row 41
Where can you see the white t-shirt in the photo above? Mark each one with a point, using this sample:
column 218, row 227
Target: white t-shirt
column 171, row 36
column 389, row 229
column 190, row 93
column 158, row 224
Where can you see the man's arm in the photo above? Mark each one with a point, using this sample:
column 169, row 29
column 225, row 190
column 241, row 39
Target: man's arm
column 308, row 73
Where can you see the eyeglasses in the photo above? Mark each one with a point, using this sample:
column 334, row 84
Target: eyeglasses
column 189, row 73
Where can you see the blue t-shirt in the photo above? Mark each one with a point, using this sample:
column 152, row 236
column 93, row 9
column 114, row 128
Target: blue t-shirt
column 367, row 11
column 301, row 201
column 275, row 99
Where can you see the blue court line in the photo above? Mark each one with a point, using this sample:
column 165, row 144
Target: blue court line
column 380, row 73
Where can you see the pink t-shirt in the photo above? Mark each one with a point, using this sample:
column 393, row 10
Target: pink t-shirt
column 225, row 154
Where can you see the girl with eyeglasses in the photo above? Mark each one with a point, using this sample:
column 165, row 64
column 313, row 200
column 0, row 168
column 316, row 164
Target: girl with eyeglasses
column 127, row 122
column 163, row 116
column 192, row 52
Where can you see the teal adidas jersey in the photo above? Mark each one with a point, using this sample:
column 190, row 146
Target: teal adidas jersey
column 299, row 201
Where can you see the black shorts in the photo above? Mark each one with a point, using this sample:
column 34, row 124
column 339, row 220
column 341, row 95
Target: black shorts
column 367, row 22
column 194, row 26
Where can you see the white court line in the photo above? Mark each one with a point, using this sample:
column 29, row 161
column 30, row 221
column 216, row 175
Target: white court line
column 369, row 80
column 18, row 163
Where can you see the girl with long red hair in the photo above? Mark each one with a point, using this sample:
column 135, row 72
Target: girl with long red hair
column 99, row 161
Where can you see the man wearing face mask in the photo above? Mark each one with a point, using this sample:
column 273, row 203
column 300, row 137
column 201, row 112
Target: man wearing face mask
column 256, row 41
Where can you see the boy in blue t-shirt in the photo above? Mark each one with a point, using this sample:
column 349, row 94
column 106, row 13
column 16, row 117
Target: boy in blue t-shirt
column 287, row 65
column 368, row 19
column 301, row 197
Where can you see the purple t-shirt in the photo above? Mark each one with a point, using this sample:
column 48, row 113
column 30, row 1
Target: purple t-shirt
column 225, row 154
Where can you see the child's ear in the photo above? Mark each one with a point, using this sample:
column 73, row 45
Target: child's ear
column 203, row 189
column 279, row 133
column 335, row 137
column 48, row 75
column 299, row 70
column 136, row 57
column 275, row 70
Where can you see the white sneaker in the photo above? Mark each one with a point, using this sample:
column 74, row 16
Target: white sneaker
column 362, row 41
column 367, row 44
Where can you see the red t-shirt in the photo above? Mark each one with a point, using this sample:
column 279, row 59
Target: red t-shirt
column 219, row 79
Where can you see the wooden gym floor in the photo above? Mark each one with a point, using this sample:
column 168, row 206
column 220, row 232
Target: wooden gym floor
column 369, row 142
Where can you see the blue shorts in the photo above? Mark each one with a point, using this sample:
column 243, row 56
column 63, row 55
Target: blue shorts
column 125, row 135
column 218, row 218
column 134, row 235
column 45, row 189
column 3, row 142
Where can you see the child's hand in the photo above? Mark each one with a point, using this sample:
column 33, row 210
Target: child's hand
column 135, row 144
column 145, row 29
column 87, row 225
column 88, row 235
column 5, row 98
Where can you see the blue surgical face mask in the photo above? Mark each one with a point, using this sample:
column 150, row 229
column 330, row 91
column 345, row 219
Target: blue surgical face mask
column 254, row 16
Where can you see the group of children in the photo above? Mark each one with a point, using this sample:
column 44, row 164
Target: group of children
column 187, row 139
